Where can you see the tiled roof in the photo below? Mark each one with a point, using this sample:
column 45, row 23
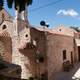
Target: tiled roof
column 65, row 30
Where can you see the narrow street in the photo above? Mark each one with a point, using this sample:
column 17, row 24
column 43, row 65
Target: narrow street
column 68, row 75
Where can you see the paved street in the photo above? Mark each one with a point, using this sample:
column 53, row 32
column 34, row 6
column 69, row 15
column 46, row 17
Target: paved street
column 68, row 75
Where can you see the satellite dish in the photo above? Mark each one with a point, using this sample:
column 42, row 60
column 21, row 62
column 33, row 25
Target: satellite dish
column 47, row 25
column 42, row 23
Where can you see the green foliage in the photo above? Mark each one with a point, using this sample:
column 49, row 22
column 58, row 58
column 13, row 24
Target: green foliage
column 29, row 2
column 75, row 28
column 19, row 4
column 9, row 3
column 1, row 4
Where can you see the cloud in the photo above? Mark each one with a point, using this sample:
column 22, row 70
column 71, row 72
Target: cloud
column 70, row 12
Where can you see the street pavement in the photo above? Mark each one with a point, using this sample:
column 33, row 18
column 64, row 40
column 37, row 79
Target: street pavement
column 69, row 75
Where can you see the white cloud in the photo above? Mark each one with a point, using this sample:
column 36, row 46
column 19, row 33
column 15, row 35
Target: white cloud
column 70, row 12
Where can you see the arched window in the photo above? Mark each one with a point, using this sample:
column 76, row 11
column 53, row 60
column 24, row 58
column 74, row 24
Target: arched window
column 26, row 35
column 59, row 29
column 4, row 27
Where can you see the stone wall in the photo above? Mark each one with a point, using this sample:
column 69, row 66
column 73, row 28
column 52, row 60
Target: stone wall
column 17, row 33
column 6, row 33
column 17, row 56
column 26, row 57
column 6, row 49
column 56, row 44
column 39, row 37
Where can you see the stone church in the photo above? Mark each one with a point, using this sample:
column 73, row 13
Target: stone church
column 40, row 52
column 18, row 45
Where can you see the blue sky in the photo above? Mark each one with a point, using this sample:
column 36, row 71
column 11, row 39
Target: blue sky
column 65, row 12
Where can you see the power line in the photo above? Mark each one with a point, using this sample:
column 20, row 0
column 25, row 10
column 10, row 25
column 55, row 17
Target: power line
column 46, row 5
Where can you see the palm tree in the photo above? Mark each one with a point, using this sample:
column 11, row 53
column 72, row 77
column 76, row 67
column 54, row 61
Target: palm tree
column 1, row 4
column 19, row 4
column 75, row 28
column 20, row 8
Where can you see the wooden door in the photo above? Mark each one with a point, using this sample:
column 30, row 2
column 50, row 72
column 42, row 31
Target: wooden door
column 79, row 53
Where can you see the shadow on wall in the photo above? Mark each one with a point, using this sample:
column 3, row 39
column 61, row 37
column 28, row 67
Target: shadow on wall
column 6, row 47
column 33, row 65
column 30, row 61
column 9, row 71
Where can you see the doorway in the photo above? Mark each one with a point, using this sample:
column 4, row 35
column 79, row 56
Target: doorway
column 71, row 57
column 79, row 53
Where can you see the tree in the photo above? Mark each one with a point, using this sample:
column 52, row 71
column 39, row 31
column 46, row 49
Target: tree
column 19, row 4
column 20, row 7
column 1, row 4
column 75, row 28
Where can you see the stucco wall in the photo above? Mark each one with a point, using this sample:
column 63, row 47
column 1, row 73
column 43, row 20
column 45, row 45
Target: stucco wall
column 56, row 44
column 64, row 30
column 27, row 57
column 17, row 56
column 39, row 37
column 50, row 47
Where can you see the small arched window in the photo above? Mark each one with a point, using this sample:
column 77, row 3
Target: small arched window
column 26, row 35
column 59, row 29
column 4, row 27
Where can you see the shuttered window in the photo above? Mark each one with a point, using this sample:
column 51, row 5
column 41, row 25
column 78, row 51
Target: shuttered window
column 64, row 54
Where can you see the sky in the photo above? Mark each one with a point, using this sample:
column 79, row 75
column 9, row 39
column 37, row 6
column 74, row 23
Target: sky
column 53, row 12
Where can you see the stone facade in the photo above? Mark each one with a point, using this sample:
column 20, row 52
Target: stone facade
column 39, row 37
column 39, row 51
column 5, row 16
column 6, row 33
column 61, row 47
column 56, row 45
column 5, row 37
